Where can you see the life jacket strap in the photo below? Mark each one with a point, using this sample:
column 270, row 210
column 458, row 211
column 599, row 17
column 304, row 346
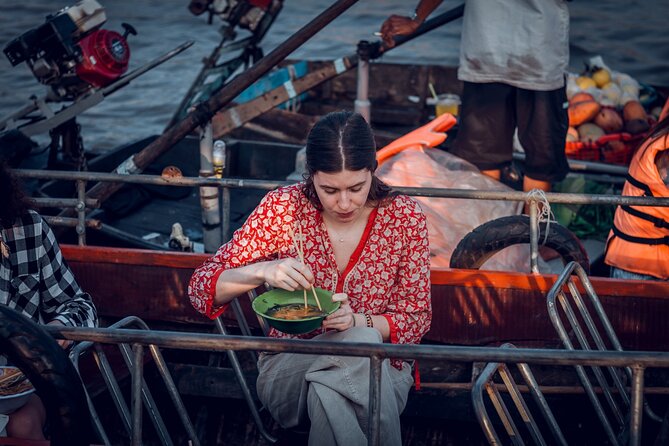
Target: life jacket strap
column 643, row 240
column 657, row 221
column 638, row 184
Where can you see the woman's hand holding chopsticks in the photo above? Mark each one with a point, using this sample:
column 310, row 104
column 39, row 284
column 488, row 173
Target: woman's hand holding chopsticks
column 288, row 274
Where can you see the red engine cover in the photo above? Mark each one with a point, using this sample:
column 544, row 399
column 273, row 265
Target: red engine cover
column 262, row 4
column 105, row 57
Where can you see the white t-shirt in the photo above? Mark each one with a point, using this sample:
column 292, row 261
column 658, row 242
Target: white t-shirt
column 524, row 43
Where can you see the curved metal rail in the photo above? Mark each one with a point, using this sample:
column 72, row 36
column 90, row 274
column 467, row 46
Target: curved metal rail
column 131, row 419
column 585, row 328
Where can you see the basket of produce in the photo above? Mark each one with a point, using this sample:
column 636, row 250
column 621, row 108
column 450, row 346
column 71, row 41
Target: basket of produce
column 607, row 115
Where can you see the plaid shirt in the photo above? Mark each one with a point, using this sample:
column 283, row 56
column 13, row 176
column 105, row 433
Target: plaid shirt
column 35, row 279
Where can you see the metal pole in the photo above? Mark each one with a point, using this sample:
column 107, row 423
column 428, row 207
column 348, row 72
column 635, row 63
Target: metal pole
column 534, row 235
column 211, row 216
column 374, row 429
column 362, row 104
column 81, row 212
column 225, row 209
column 637, row 404
column 244, row 183
column 137, row 372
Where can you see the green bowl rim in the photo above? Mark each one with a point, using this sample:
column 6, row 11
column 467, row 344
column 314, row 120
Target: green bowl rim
column 278, row 319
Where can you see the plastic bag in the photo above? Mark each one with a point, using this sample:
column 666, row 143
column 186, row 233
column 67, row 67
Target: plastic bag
column 450, row 219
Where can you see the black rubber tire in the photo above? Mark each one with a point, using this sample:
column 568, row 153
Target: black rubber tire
column 491, row 237
column 30, row 348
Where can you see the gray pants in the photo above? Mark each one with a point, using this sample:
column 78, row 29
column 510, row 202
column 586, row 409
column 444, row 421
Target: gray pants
column 332, row 392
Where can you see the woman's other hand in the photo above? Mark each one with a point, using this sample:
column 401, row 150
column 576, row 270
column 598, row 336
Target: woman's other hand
column 343, row 318
column 288, row 274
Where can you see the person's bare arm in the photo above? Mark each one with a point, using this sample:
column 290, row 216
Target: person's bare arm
column 397, row 25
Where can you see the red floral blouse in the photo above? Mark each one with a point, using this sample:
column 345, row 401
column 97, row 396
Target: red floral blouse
column 387, row 275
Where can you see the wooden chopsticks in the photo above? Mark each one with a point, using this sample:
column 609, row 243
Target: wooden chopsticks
column 300, row 252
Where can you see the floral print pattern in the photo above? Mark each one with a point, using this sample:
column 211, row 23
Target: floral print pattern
column 390, row 277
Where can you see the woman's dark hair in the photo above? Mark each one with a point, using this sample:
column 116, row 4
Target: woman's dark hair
column 343, row 141
column 13, row 202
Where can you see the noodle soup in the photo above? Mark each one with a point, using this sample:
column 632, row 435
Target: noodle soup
column 292, row 312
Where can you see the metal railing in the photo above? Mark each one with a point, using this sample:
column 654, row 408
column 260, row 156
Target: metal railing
column 589, row 329
column 141, row 394
column 485, row 382
column 81, row 204
column 638, row 362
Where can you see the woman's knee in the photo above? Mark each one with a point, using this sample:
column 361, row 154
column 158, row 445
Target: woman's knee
column 362, row 334
column 28, row 421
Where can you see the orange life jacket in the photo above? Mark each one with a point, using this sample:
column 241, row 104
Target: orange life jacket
column 639, row 239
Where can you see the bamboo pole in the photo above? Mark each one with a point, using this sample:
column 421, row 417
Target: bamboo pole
column 206, row 110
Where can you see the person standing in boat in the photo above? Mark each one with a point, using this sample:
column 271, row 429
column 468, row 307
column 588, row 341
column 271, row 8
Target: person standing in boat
column 361, row 240
column 36, row 282
column 513, row 61
column 638, row 244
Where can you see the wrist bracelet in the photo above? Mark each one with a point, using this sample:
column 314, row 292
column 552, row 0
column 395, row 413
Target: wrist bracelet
column 369, row 321
column 414, row 16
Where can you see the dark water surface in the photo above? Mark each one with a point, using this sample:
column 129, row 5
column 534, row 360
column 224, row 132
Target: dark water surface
column 630, row 35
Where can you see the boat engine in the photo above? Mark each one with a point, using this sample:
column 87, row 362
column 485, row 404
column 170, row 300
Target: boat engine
column 70, row 52
column 246, row 14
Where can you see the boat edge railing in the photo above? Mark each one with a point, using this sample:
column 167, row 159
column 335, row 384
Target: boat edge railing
column 82, row 203
column 636, row 360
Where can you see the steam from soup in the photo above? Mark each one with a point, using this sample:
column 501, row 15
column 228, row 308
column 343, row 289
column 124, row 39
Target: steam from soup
column 292, row 312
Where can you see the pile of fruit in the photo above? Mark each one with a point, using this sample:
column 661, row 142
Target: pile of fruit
column 606, row 116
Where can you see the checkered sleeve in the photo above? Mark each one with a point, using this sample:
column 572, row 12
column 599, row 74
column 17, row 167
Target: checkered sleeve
column 61, row 297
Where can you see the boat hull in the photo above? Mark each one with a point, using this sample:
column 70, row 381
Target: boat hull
column 470, row 307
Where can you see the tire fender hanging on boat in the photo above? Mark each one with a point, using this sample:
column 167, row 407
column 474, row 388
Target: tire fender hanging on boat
column 488, row 239
column 30, row 348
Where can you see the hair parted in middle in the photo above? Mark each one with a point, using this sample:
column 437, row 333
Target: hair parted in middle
column 340, row 141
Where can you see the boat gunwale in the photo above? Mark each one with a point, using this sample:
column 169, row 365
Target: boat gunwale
column 438, row 276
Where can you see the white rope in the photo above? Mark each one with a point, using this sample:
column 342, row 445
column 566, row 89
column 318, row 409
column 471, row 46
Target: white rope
column 545, row 211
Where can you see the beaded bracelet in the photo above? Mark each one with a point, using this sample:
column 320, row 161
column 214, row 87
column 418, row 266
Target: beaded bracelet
column 368, row 318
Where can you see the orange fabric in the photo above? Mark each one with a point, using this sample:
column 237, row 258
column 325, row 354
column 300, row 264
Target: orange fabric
column 430, row 135
column 639, row 257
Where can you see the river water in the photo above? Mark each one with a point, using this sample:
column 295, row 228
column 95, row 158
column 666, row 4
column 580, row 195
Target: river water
column 630, row 35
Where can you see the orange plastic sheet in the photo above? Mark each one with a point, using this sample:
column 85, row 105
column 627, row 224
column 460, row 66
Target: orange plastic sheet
column 450, row 219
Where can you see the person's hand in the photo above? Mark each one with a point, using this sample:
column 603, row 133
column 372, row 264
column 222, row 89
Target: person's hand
column 64, row 343
column 397, row 25
column 288, row 274
column 343, row 318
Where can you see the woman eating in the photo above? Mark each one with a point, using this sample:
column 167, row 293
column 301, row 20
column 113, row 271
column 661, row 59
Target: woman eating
column 360, row 240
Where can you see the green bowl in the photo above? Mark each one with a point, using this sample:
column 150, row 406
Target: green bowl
column 265, row 301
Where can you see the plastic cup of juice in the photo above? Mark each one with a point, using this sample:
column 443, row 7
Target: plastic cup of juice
column 447, row 103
